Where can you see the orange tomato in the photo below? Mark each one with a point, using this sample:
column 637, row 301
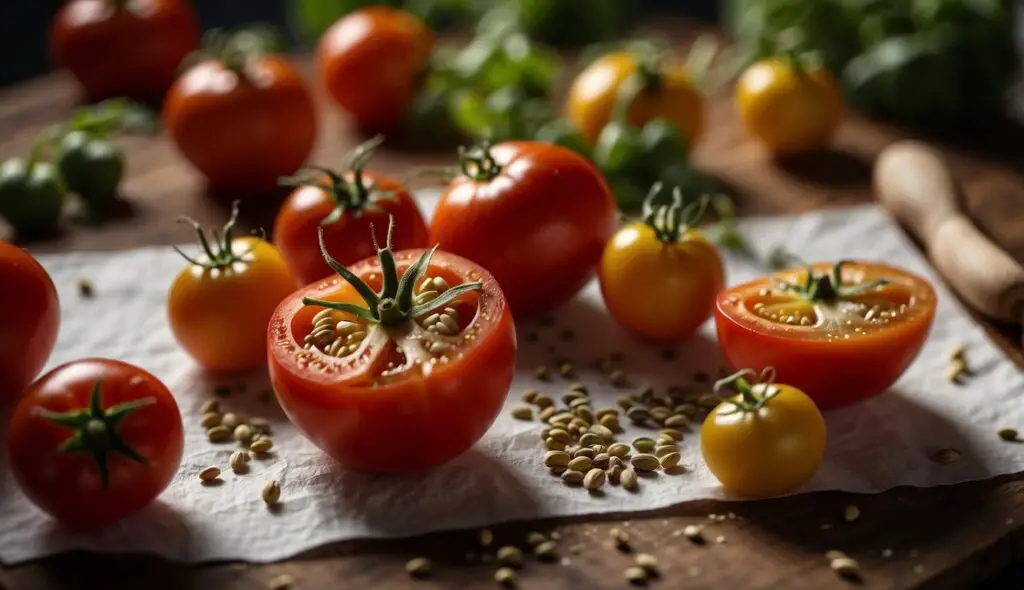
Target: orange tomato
column 243, row 125
column 29, row 319
column 371, row 60
column 668, row 93
column 349, row 380
column 843, row 334
column 787, row 107
column 220, row 304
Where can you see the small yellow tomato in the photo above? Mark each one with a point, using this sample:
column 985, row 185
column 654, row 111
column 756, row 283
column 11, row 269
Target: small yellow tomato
column 660, row 281
column 789, row 108
column 767, row 440
column 668, row 92
column 220, row 304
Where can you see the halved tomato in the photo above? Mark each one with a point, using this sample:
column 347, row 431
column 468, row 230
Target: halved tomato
column 840, row 332
column 390, row 374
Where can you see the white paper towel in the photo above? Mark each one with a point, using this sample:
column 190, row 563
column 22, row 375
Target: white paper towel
column 873, row 446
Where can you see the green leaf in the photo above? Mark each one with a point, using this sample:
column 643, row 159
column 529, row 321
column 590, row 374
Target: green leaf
column 619, row 149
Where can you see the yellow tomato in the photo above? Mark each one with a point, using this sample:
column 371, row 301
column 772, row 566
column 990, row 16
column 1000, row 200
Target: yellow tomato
column 767, row 440
column 788, row 108
column 219, row 309
column 657, row 289
column 670, row 94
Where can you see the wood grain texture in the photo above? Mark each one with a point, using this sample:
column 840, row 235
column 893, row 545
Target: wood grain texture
column 948, row 537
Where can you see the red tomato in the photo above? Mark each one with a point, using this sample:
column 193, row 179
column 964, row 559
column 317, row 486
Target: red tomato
column 536, row 216
column 95, row 440
column 29, row 319
column 370, row 61
column 120, row 48
column 848, row 340
column 345, row 207
column 350, row 383
column 242, row 125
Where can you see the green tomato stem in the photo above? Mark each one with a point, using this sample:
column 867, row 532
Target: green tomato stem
column 478, row 163
column 220, row 254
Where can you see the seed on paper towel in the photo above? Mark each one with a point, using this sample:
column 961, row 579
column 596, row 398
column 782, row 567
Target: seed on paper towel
column 572, row 478
column 210, row 420
column 1007, row 434
column 218, row 434
column 209, row 474
column 261, row 446
column 239, row 461
column 946, row 456
column 210, row 406
column 629, row 480
column 644, row 462
column 520, row 412
column 594, row 479
column 271, row 493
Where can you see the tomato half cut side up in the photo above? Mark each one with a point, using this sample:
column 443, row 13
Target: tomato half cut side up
column 391, row 394
column 843, row 335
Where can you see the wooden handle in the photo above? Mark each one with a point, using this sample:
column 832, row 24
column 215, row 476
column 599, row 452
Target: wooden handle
column 917, row 188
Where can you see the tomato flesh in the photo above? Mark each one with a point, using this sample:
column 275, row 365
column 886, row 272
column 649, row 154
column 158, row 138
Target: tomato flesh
column 837, row 352
column 392, row 400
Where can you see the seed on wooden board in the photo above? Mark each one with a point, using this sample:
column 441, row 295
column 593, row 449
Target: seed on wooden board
column 542, row 373
column 485, row 537
column 594, row 479
column 845, row 566
column 521, row 412
column 556, row 459
column 546, row 550
column 834, row 554
column 603, row 431
column 643, row 444
column 218, row 434
column 638, row 415
column 210, row 419
column 694, row 533
column 239, row 461
column 851, row 513
column 628, row 479
column 418, row 567
column 581, row 463
column 584, row 452
column 533, row 538
column 530, row 396
column 670, row 460
column 1008, row 434
column 618, row 449
column 644, row 462
column 662, row 450
column 620, row 539
column 946, row 456
column 262, row 445
column 589, row 439
column 647, row 561
column 636, row 575
column 505, row 576
column 271, row 493
column 282, row 582
column 209, row 474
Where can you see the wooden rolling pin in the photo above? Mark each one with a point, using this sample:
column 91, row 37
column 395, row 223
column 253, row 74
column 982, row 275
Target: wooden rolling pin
column 915, row 185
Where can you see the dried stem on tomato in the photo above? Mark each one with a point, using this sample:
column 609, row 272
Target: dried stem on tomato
column 671, row 218
column 752, row 396
column 219, row 254
column 96, row 430
column 393, row 305
column 352, row 196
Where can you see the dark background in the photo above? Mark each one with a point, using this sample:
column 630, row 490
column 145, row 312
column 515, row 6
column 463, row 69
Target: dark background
column 24, row 25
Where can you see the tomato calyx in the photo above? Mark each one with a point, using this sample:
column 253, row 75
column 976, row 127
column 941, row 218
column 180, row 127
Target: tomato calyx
column 827, row 286
column 352, row 197
column 394, row 304
column 221, row 253
column 671, row 219
column 477, row 162
column 96, row 430
column 235, row 49
column 752, row 396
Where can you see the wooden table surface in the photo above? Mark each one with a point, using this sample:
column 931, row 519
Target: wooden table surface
column 948, row 537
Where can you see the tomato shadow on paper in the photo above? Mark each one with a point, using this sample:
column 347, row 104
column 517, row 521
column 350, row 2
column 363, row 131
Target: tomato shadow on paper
column 885, row 443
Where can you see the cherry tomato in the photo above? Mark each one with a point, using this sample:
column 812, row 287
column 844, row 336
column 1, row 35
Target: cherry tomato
column 788, row 107
column 345, row 206
column 371, row 60
column 29, row 319
column 767, row 440
column 121, row 48
column 659, row 278
column 221, row 302
column 242, row 121
column 430, row 356
column 536, row 216
column 666, row 91
column 95, row 440
column 841, row 333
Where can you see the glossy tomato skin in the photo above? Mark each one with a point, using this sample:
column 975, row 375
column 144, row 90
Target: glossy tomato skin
column 833, row 372
column 132, row 51
column 335, row 403
column 539, row 227
column 296, row 229
column 242, row 131
column 29, row 319
column 789, row 110
column 370, row 61
column 220, row 317
column 67, row 485
column 767, row 452
column 593, row 94
column 656, row 290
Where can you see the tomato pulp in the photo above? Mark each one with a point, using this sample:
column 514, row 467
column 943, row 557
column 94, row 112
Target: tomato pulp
column 838, row 350
column 399, row 398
